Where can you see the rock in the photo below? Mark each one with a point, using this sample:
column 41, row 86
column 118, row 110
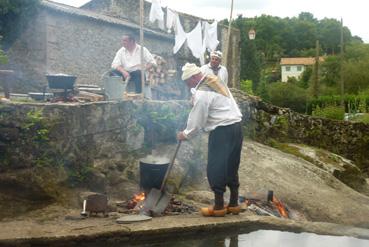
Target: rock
column 204, row 197
column 9, row 134
column 96, row 181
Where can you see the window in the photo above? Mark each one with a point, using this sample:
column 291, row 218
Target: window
column 299, row 68
column 288, row 68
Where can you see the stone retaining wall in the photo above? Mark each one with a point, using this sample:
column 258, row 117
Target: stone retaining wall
column 264, row 121
column 106, row 131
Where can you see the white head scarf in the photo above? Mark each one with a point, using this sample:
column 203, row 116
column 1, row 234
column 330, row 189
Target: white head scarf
column 216, row 54
column 189, row 69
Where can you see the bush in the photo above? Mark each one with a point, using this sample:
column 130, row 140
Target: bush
column 288, row 95
column 353, row 103
column 246, row 86
column 331, row 112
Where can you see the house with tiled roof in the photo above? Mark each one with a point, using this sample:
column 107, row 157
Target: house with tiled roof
column 293, row 67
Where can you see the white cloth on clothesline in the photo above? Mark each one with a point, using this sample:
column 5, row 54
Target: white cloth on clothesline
column 194, row 40
column 180, row 35
column 156, row 13
column 210, row 36
column 171, row 15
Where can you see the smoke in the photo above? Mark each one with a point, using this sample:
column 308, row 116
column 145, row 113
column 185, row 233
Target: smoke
column 157, row 160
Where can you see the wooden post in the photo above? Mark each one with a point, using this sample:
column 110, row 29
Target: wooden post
column 316, row 71
column 225, row 60
column 341, row 69
column 142, row 45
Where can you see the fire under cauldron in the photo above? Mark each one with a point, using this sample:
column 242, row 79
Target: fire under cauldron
column 61, row 82
column 152, row 172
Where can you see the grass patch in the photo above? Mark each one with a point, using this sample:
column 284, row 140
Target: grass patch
column 284, row 147
column 364, row 118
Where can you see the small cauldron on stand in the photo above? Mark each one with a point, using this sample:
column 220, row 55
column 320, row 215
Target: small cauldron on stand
column 61, row 84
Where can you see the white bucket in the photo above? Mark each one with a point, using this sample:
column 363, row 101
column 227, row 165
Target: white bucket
column 114, row 87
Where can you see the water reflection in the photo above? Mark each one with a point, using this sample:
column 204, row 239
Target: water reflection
column 266, row 238
column 287, row 239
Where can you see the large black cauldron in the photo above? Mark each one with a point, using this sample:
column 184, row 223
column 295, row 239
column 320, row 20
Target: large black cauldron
column 152, row 172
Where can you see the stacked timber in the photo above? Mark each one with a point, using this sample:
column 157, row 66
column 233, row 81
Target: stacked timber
column 161, row 73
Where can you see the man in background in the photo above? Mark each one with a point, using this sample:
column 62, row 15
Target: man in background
column 127, row 62
column 214, row 67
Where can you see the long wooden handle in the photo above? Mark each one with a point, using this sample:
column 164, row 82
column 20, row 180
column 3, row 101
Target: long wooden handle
column 170, row 167
column 142, row 47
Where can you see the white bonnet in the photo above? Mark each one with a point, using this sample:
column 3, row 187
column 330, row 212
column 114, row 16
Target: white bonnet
column 188, row 70
column 216, row 54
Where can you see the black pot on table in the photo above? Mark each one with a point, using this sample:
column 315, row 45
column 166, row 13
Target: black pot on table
column 61, row 81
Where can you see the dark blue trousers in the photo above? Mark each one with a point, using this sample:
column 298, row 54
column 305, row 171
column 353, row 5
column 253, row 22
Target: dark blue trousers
column 224, row 153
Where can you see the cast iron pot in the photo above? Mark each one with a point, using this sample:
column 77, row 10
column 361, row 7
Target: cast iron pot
column 61, row 81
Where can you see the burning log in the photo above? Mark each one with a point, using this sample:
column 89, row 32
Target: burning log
column 266, row 204
column 281, row 208
column 135, row 204
column 135, row 200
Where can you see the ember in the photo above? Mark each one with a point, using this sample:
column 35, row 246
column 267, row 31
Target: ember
column 175, row 207
column 135, row 200
column 268, row 204
column 281, row 208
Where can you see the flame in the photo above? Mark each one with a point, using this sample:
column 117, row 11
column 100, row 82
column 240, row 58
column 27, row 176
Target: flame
column 136, row 200
column 139, row 197
column 281, row 208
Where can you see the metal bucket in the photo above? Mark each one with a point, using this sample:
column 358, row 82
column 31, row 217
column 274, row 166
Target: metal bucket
column 114, row 87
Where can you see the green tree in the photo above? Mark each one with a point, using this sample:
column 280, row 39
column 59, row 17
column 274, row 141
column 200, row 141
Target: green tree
column 356, row 76
column 330, row 33
column 14, row 16
column 330, row 71
column 3, row 57
column 250, row 58
column 288, row 95
column 306, row 77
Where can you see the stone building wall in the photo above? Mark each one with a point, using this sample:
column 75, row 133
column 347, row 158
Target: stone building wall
column 86, row 48
column 124, row 9
column 83, row 42
column 28, row 56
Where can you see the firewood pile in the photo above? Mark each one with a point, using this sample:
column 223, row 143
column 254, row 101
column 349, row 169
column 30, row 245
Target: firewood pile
column 89, row 93
column 160, row 73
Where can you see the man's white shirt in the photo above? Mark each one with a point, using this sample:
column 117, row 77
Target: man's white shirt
column 132, row 61
column 210, row 110
column 222, row 73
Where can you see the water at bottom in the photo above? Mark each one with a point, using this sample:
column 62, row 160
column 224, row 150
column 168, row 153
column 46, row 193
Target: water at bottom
column 264, row 238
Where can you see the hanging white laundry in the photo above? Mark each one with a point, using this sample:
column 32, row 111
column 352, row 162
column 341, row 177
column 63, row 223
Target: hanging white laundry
column 194, row 41
column 171, row 15
column 211, row 36
column 180, row 35
column 156, row 13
